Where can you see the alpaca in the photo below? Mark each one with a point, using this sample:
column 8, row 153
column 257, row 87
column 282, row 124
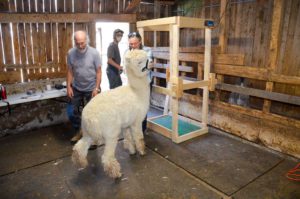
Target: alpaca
column 118, row 110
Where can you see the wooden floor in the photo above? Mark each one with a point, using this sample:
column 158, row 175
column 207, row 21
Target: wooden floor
column 37, row 164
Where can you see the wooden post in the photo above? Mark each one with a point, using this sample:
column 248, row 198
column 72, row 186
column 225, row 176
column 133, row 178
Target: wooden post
column 207, row 58
column 174, row 50
column 274, row 46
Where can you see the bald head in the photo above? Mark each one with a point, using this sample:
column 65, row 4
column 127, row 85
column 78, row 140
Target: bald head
column 80, row 38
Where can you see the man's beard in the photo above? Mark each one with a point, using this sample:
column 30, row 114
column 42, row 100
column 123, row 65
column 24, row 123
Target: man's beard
column 82, row 51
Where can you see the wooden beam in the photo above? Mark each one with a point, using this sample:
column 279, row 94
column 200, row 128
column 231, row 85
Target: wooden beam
column 257, row 114
column 241, row 71
column 285, row 79
column 194, row 84
column 274, row 45
column 190, row 22
column 231, row 59
column 64, row 18
column 289, row 99
column 10, row 77
column 188, row 69
column 194, row 49
column 156, row 22
column 162, row 90
column 222, row 25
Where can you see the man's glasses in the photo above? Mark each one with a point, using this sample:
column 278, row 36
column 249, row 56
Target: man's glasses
column 134, row 34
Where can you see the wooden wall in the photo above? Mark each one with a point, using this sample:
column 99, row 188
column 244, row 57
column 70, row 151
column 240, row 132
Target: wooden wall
column 36, row 35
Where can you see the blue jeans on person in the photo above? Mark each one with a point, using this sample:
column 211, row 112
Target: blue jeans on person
column 74, row 108
column 114, row 77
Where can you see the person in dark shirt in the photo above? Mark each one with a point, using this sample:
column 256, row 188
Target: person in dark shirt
column 114, row 69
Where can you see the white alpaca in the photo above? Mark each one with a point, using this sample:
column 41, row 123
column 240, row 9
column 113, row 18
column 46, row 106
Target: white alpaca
column 111, row 112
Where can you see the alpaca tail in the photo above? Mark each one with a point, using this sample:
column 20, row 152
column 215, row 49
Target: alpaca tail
column 80, row 151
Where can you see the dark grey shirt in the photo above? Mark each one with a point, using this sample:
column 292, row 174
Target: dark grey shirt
column 113, row 53
column 84, row 67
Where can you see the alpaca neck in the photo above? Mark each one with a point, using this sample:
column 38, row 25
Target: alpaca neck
column 141, row 84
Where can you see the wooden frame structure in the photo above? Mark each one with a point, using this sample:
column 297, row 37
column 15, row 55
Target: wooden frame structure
column 177, row 85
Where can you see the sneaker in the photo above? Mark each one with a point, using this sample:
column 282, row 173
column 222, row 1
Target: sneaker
column 76, row 138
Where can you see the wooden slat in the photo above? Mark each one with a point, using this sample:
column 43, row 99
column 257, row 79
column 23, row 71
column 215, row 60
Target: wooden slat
column 289, row 99
column 60, row 6
column 68, row 6
column 274, row 46
column 62, row 18
column 35, row 43
column 42, row 44
column 32, row 6
column 181, row 68
column 162, row 90
column 54, row 42
column 223, row 35
column 9, row 77
column 285, row 79
column 25, row 6
column 241, row 71
column 158, row 74
column 194, row 49
column 92, row 34
column 16, row 42
column 257, row 114
column 12, row 6
column 61, row 44
column 7, row 43
column 28, row 43
column 44, row 75
column 47, row 4
column 96, row 6
column 48, row 43
column 22, row 42
column 194, row 84
column 231, row 59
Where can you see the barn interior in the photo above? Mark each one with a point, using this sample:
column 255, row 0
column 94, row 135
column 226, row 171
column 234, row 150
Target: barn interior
column 232, row 67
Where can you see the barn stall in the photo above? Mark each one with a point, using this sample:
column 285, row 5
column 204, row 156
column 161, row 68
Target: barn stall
column 253, row 104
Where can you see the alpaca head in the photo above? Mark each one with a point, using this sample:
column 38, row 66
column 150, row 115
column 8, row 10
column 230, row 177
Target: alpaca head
column 136, row 63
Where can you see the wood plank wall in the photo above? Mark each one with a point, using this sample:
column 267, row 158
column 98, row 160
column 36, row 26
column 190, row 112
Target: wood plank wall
column 250, row 29
column 37, row 50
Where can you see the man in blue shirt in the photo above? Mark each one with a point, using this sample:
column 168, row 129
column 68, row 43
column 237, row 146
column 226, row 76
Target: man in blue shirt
column 83, row 77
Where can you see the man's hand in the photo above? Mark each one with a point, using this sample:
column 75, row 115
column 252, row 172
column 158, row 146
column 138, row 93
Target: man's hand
column 96, row 91
column 70, row 92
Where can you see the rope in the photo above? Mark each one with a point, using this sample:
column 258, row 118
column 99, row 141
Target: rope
column 294, row 173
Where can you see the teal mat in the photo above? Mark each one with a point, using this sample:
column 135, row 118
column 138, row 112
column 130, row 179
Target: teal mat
column 183, row 126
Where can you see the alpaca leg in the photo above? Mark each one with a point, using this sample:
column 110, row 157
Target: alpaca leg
column 110, row 164
column 138, row 138
column 80, row 151
column 128, row 141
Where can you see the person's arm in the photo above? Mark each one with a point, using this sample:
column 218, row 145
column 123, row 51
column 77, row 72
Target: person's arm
column 98, row 82
column 114, row 64
column 110, row 54
column 69, row 82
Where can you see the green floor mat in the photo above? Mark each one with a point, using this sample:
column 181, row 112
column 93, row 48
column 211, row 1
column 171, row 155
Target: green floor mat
column 183, row 126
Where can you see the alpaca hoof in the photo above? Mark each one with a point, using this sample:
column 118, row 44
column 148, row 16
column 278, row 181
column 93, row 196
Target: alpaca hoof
column 79, row 161
column 142, row 153
column 113, row 169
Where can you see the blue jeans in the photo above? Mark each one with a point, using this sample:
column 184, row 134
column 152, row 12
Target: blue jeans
column 114, row 78
column 74, row 108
